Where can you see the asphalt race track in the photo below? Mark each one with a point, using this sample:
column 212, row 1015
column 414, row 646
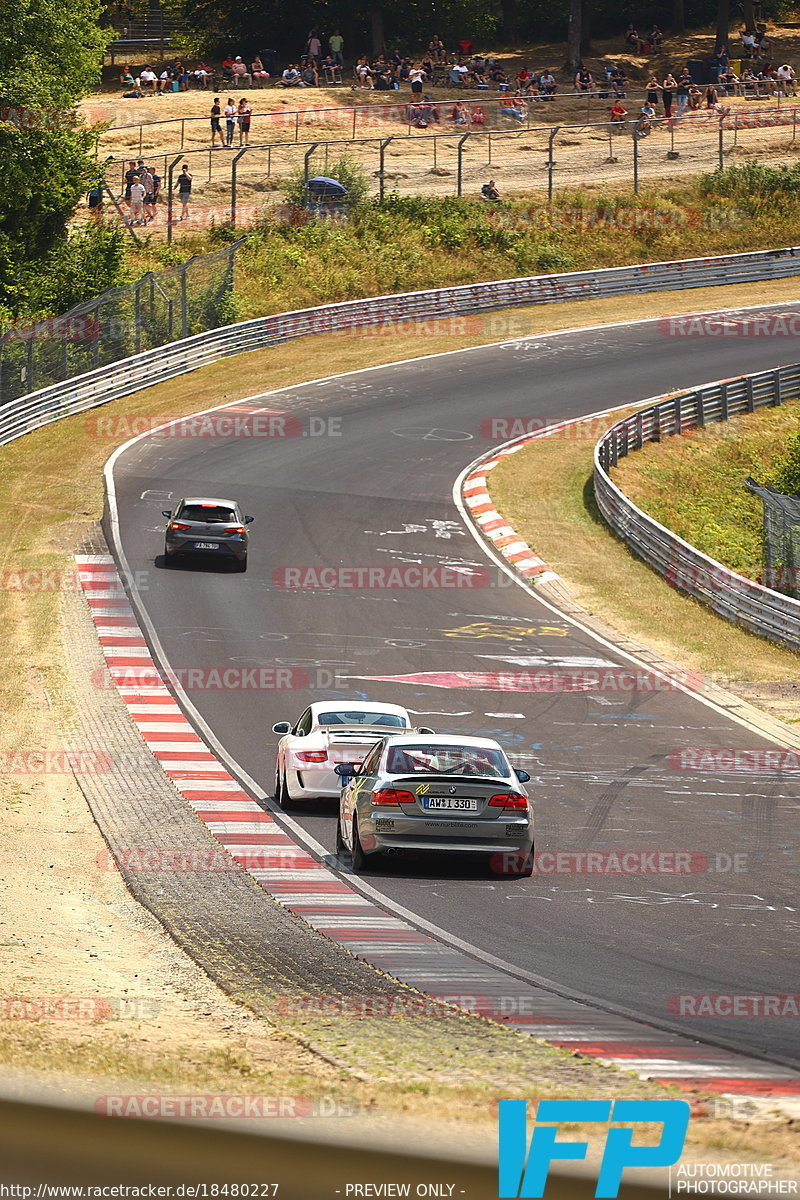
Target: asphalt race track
column 374, row 489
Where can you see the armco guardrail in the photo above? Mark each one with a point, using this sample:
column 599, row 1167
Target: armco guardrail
column 153, row 366
column 756, row 608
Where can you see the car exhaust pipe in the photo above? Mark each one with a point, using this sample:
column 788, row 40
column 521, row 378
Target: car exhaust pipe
column 393, row 850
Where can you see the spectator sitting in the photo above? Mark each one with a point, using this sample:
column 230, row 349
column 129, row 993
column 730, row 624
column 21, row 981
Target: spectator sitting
column 436, row 49
column 309, row 74
column 227, row 70
column 203, row 75
column 479, row 72
column 165, row 81
column 695, row 98
column 497, row 74
column 460, row 113
column 729, row 82
column 291, row 77
column 149, row 79
column 748, row 82
column 632, row 38
column 647, row 114
column 489, row 191
column 258, row 72
column 362, row 73
column 655, row 37
column 457, row 74
column 524, row 78
column 583, row 80
column 547, row 84
column 516, row 109
column 767, row 83
column 786, row 77
column 748, row 44
column 619, row 81
column 712, row 99
column 126, row 78
column 240, row 73
column 618, row 114
column 384, row 82
column 763, row 44
column 477, row 117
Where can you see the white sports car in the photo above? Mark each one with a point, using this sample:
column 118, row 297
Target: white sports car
column 325, row 735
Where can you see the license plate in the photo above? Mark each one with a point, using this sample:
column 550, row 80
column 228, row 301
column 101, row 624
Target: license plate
column 457, row 803
column 206, row 546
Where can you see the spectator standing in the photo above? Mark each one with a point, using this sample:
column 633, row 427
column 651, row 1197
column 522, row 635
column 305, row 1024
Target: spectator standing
column 156, row 192
column 130, row 175
column 136, row 201
column 243, row 116
column 314, row 45
column 668, row 89
column 652, row 90
column 682, row 92
column 146, row 180
column 216, row 127
column 184, row 191
column 336, row 47
column 95, row 202
column 230, row 122
column 417, row 75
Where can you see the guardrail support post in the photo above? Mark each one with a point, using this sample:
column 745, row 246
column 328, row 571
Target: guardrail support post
column 635, row 162
column 461, row 142
column 297, row 126
column 183, row 131
column 750, row 403
column 655, row 435
column 172, row 167
column 184, row 303
column 677, row 415
column 777, row 398
column 551, row 161
column 306, row 160
column 700, row 409
column 721, row 144
column 233, row 183
column 725, row 409
column 383, row 146
column 138, row 314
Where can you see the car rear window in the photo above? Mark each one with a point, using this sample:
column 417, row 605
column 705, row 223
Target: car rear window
column 351, row 716
column 447, row 760
column 210, row 513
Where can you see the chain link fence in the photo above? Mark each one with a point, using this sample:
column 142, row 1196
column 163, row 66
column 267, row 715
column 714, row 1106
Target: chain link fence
column 781, row 562
column 160, row 307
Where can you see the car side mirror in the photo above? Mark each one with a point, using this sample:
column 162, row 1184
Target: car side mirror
column 345, row 771
column 424, row 729
column 248, row 520
column 166, row 513
column 281, row 727
column 522, row 776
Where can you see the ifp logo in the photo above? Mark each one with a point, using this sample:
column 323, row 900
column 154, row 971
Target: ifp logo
column 523, row 1170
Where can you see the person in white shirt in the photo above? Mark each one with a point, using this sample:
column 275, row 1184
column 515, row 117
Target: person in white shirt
column 786, row 76
column 458, row 73
column 138, row 194
column 148, row 78
column 230, row 121
column 291, row 77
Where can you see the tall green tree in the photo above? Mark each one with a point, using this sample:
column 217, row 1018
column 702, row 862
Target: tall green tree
column 50, row 56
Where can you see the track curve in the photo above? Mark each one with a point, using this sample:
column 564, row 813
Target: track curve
column 375, row 490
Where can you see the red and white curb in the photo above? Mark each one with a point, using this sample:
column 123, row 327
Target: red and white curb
column 494, row 526
column 305, row 885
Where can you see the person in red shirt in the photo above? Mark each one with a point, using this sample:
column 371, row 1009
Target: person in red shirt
column 618, row 115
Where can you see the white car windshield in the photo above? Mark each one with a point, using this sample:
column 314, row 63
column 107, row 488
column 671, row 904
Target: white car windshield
column 447, row 760
column 350, row 716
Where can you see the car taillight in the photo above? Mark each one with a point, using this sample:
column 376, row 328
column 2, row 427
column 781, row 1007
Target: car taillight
column 177, row 525
column 316, row 756
column 509, row 800
column 391, row 796
column 235, row 529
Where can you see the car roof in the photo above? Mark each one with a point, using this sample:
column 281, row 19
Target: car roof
column 209, row 500
column 357, row 706
column 443, row 739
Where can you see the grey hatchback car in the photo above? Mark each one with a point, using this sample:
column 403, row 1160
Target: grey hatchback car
column 435, row 792
column 207, row 526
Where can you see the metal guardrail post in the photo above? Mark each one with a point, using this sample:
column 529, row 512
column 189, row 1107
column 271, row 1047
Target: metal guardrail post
column 383, row 146
column 461, row 143
column 184, row 303
column 777, row 382
column 307, row 158
column 725, row 402
column 183, row 131
column 551, row 161
column 137, row 309
column 171, row 168
column 233, row 183
column 297, row 126
column 721, row 144
column 750, row 399
column 635, row 163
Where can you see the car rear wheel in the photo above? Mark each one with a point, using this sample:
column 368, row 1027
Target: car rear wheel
column 358, row 859
column 526, row 867
column 284, row 799
column 241, row 564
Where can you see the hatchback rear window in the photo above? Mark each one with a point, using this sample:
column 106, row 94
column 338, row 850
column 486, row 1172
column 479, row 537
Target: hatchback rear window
column 210, row 513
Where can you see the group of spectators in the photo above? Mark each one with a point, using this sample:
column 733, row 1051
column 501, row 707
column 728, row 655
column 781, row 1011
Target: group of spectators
column 236, row 116
column 143, row 187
